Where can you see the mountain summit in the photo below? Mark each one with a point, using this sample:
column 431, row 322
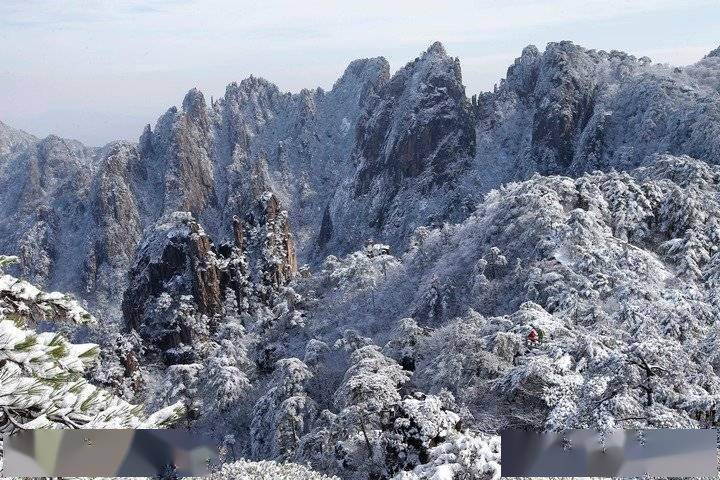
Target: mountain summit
column 372, row 281
column 376, row 157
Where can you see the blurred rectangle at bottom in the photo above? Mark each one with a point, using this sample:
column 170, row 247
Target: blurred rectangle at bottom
column 106, row 453
column 613, row 453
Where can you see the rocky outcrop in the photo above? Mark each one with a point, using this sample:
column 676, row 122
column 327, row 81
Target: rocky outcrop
column 43, row 191
column 116, row 216
column 180, row 276
column 181, row 145
column 278, row 243
column 564, row 96
column 175, row 260
column 374, row 158
column 418, row 122
column 570, row 110
column 414, row 139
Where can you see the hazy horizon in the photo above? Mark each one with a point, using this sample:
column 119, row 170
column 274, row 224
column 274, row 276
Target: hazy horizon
column 97, row 72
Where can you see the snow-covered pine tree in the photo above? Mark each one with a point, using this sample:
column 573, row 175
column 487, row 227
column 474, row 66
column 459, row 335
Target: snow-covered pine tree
column 371, row 385
column 284, row 413
column 404, row 343
column 227, row 365
column 423, row 436
column 42, row 375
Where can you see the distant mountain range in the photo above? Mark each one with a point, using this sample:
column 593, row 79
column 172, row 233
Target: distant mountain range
column 373, row 158
column 374, row 279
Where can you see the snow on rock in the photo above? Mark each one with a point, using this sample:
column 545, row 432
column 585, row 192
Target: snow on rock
column 541, row 256
column 372, row 159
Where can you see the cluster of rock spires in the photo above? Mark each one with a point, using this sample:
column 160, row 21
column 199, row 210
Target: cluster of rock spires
column 377, row 156
column 178, row 259
column 528, row 254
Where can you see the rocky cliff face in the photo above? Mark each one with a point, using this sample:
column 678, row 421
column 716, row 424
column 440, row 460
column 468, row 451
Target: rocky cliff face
column 418, row 121
column 570, row 110
column 413, row 140
column 116, row 218
column 298, row 146
column 373, row 158
column 179, row 273
column 42, row 187
column 176, row 258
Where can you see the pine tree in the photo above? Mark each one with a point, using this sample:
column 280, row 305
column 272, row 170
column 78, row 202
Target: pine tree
column 371, row 385
column 284, row 413
column 42, row 376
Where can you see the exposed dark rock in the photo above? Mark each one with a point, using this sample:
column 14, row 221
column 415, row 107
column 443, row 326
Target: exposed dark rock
column 564, row 81
column 176, row 259
column 326, row 228
column 419, row 121
column 177, row 264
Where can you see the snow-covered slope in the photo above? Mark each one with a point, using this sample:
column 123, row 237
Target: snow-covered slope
column 373, row 158
column 559, row 302
column 569, row 110
column 544, row 255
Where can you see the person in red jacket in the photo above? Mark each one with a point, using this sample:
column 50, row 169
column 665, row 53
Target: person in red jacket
column 533, row 336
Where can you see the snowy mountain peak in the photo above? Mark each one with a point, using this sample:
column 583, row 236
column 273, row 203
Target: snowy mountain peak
column 522, row 74
column 436, row 48
column 714, row 53
column 374, row 71
column 411, row 139
column 194, row 102
column 11, row 139
column 531, row 51
column 251, row 84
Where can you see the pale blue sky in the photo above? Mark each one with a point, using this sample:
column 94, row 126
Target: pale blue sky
column 100, row 70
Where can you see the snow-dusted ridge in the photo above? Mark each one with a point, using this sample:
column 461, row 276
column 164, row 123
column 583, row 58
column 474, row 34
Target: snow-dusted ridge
column 375, row 157
column 541, row 256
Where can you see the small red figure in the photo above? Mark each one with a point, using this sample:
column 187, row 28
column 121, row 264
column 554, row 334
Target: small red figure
column 533, row 336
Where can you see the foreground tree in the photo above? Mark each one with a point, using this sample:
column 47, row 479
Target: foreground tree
column 42, row 382
column 284, row 413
